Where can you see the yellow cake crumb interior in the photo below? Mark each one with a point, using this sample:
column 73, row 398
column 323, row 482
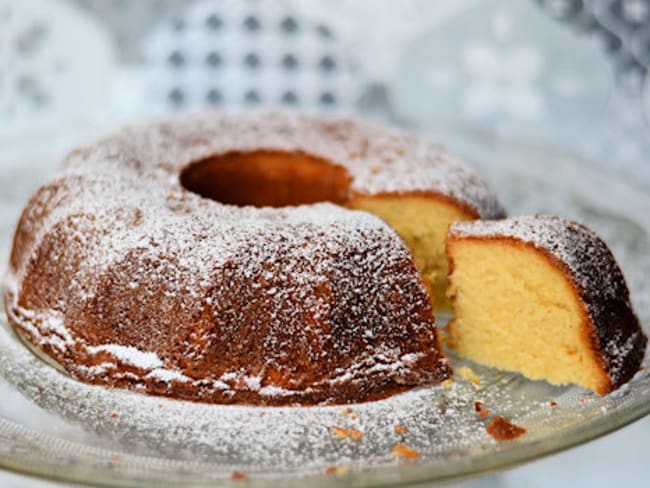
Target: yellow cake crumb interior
column 423, row 223
column 516, row 311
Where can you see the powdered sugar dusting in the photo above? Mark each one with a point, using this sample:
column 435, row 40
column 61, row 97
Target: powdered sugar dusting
column 167, row 375
column 378, row 159
column 129, row 355
column 46, row 327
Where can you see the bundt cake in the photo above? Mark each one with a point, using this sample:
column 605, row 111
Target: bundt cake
column 542, row 296
column 197, row 258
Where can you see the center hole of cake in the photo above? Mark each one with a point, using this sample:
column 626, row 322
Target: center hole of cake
column 267, row 179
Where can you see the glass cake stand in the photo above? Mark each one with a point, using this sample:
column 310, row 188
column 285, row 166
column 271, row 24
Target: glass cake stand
column 55, row 427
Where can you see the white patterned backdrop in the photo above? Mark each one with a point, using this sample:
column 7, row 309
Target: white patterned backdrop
column 566, row 73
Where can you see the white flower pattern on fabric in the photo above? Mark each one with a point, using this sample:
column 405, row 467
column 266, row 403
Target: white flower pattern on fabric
column 502, row 80
column 504, row 77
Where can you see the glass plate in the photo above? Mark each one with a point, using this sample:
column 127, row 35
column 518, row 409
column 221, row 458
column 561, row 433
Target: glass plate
column 53, row 426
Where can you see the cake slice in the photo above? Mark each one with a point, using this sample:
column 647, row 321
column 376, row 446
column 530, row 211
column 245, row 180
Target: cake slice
column 542, row 296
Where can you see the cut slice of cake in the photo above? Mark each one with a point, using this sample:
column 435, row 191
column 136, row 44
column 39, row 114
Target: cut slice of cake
column 542, row 296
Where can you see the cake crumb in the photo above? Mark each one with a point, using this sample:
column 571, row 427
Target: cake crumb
column 447, row 383
column 346, row 411
column 347, row 433
column 403, row 451
column 400, row 429
column 339, row 470
column 503, row 430
column 468, row 374
column 553, row 404
column 116, row 458
column 114, row 415
column 481, row 409
column 238, row 475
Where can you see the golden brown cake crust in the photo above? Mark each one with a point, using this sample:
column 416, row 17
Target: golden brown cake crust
column 611, row 328
column 128, row 279
column 310, row 305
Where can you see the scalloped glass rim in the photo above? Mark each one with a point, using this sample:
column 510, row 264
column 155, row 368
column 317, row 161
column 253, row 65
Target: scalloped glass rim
column 27, row 450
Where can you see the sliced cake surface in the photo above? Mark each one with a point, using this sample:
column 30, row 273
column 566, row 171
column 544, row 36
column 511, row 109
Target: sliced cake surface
column 542, row 296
